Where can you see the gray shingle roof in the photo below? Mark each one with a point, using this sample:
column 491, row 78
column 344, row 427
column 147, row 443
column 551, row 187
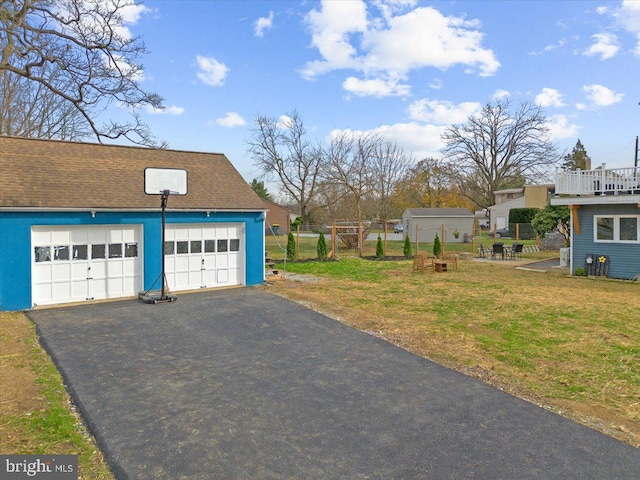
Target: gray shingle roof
column 440, row 212
column 70, row 175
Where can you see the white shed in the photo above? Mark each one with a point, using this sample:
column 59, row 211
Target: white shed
column 427, row 222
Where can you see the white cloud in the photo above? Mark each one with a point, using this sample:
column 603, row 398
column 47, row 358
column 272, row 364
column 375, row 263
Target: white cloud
column 131, row 13
column 375, row 87
column 119, row 62
column 262, row 24
column 606, row 45
column 560, row 128
column 391, row 45
column 436, row 84
column 211, row 72
column 500, row 94
column 420, row 140
column 231, row 119
column 548, row 48
column 442, row 112
column 601, row 96
column 284, row 121
column 172, row 110
column 628, row 15
column 549, row 97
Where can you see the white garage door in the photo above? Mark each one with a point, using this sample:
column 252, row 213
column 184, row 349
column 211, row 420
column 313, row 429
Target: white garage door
column 78, row 263
column 204, row 255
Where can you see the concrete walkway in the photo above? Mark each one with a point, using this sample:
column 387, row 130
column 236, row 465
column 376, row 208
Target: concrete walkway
column 244, row 384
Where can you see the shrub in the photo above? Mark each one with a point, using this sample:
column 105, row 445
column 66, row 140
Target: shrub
column 580, row 272
column 437, row 247
column 291, row 247
column 406, row 250
column 322, row 248
column 379, row 248
column 522, row 215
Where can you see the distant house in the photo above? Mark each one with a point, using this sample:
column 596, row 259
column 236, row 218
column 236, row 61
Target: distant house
column 76, row 224
column 482, row 218
column 278, row 218
column 605, row 219
column 427, row 222
column 529, row 196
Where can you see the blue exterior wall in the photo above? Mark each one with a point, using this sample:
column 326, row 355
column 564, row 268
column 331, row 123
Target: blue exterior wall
column 624, row 258
column 15, row 244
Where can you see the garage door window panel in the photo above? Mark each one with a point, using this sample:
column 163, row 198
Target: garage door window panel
column 61, row 252
column 223, row 245
column 169, row 248
column 98, row 251
column 115, row 250
column 80, row 252
column 42, row 254
column 196, row 246
column 131, row 250
column 182, row 247
column 234, row 245
column 209, row 246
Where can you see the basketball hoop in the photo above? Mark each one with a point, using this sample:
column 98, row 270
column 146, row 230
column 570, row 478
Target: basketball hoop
column 163, row 182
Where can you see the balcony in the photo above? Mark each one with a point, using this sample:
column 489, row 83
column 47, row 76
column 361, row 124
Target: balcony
column 601, row 181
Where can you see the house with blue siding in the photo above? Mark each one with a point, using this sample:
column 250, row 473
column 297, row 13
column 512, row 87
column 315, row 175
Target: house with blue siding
column 605, row 219
column 76, row 224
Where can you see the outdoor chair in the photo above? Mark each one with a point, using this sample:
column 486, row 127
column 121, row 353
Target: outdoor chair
column 498, row 249
column 516, row 250
column 422, row 263
column 451, row 259
column 482, row 252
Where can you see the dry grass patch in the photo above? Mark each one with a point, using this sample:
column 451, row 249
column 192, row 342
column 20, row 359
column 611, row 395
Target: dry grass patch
column 570, row 344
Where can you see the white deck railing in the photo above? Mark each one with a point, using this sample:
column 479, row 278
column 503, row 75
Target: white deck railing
column 598, row 182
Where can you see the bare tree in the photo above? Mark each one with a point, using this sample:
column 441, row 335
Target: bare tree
column 28, row 109
column 389, row 167
column 280, row 149
column 497, row 147
column 97, row 60
column 348, row 165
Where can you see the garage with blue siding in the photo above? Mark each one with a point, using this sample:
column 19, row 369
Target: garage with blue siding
column 76, row 224
column 605, row 227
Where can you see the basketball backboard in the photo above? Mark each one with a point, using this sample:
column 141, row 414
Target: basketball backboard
column 157, row 180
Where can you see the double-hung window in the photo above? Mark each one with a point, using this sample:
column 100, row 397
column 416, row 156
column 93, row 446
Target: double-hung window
column 617, row 228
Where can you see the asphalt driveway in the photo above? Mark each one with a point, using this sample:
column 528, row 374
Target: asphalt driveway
column 244, row 384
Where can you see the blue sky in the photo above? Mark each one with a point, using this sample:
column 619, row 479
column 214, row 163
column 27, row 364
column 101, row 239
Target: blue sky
column 406, row 68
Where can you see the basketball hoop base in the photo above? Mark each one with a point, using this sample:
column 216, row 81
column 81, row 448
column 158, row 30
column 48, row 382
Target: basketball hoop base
column 155, row 296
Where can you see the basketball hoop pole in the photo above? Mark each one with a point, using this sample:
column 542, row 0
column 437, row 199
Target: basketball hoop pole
column 165, row 198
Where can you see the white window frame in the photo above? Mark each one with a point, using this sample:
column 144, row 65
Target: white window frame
column 616, row 228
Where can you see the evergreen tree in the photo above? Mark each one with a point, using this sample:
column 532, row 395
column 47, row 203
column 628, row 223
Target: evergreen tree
column 260, row 189
column 577, row 159
column 322, row 248
column 406, row 250
column 551, row 218
column 379, row 248
column 437, row 247
column 291, row 247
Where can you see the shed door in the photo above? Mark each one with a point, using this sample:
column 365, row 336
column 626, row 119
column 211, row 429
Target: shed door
column 71, row 264
column 204, row 255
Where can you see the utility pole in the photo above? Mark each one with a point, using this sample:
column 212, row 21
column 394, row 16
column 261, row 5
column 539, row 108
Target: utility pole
column 635, row 163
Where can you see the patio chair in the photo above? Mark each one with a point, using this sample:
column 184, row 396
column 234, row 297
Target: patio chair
column 498, row 249
column 482, row 251
column 516, row 250
column 451, row 259
column 422, row 263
